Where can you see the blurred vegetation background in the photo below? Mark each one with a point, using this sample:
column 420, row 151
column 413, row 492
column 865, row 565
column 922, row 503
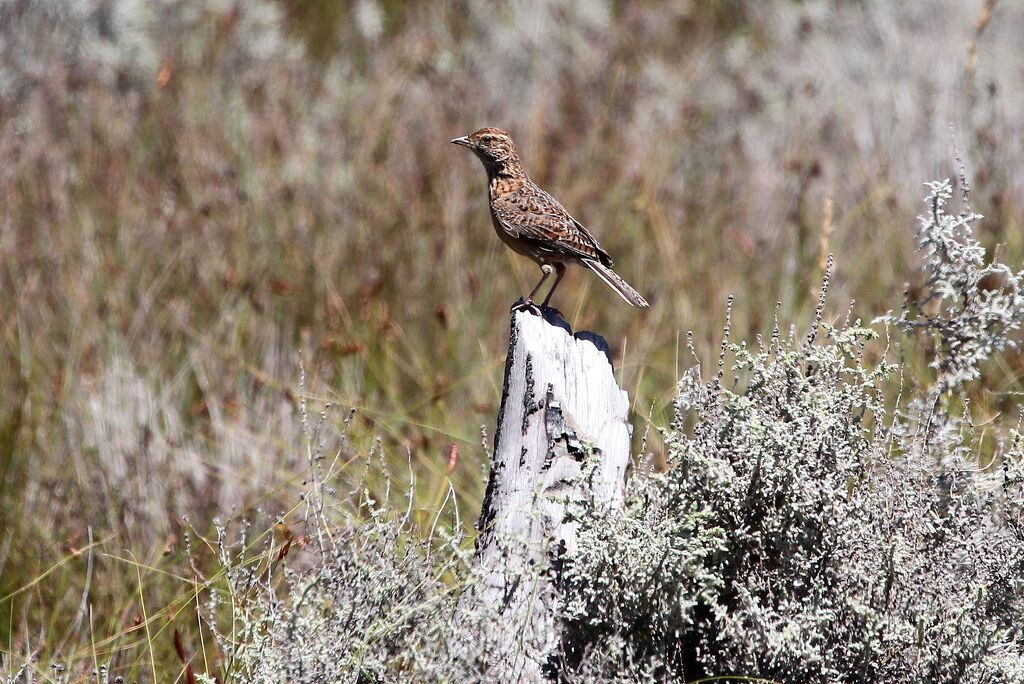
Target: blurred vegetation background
column 198, row 196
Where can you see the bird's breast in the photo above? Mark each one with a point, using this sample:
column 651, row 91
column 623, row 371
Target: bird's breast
column 502, row 186
column 512, row 241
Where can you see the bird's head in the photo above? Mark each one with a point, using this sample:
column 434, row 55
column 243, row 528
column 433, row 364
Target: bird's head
column 495, row 149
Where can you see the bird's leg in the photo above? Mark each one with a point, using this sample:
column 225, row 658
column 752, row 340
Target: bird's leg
column 528, row 305
column 546, row 270
column 559, row 274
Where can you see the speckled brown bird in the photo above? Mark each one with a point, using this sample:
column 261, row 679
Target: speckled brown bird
column 534, row 224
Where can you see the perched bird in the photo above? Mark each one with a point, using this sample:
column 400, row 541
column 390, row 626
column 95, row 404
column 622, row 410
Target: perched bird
column 534, row 224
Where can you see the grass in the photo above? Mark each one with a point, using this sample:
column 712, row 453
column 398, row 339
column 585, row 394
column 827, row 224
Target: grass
column 196, row 198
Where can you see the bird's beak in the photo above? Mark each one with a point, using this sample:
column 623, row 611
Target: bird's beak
column 464, row 141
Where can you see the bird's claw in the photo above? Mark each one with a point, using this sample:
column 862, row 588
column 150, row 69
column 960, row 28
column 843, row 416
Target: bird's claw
column 526, row 305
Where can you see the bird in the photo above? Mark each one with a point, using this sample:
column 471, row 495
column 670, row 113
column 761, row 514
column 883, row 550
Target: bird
column 533, row 223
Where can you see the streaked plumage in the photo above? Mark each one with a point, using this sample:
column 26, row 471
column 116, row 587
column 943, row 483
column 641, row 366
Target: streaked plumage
column 533, row 223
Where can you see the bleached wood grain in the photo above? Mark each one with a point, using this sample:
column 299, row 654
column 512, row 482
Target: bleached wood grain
column 562, row 440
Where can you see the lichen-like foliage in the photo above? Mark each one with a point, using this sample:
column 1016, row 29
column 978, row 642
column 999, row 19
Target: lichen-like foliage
column 970, row 307
column 784, row 543
column 362, row 595
column 809, row 527
column 803, row 532
column 372, row 608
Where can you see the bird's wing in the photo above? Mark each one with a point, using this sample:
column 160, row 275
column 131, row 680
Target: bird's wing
column 529, row 213
column 602, row 255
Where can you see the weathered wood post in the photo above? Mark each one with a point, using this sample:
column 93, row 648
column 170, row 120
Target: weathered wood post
column 562, row 440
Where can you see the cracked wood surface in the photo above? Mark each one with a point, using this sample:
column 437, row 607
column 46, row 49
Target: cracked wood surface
column 562, row 440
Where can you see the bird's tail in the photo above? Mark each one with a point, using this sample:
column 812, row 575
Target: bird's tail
column 615, row 282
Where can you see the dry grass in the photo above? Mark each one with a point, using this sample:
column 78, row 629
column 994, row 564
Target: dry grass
column 195, row 196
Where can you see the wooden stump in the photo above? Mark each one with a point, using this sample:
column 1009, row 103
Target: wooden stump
column 561, row 446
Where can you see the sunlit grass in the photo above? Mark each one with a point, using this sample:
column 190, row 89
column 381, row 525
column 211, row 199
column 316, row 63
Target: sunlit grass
column 184, row 221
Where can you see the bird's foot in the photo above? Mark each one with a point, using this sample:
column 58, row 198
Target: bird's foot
column 526, row 305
